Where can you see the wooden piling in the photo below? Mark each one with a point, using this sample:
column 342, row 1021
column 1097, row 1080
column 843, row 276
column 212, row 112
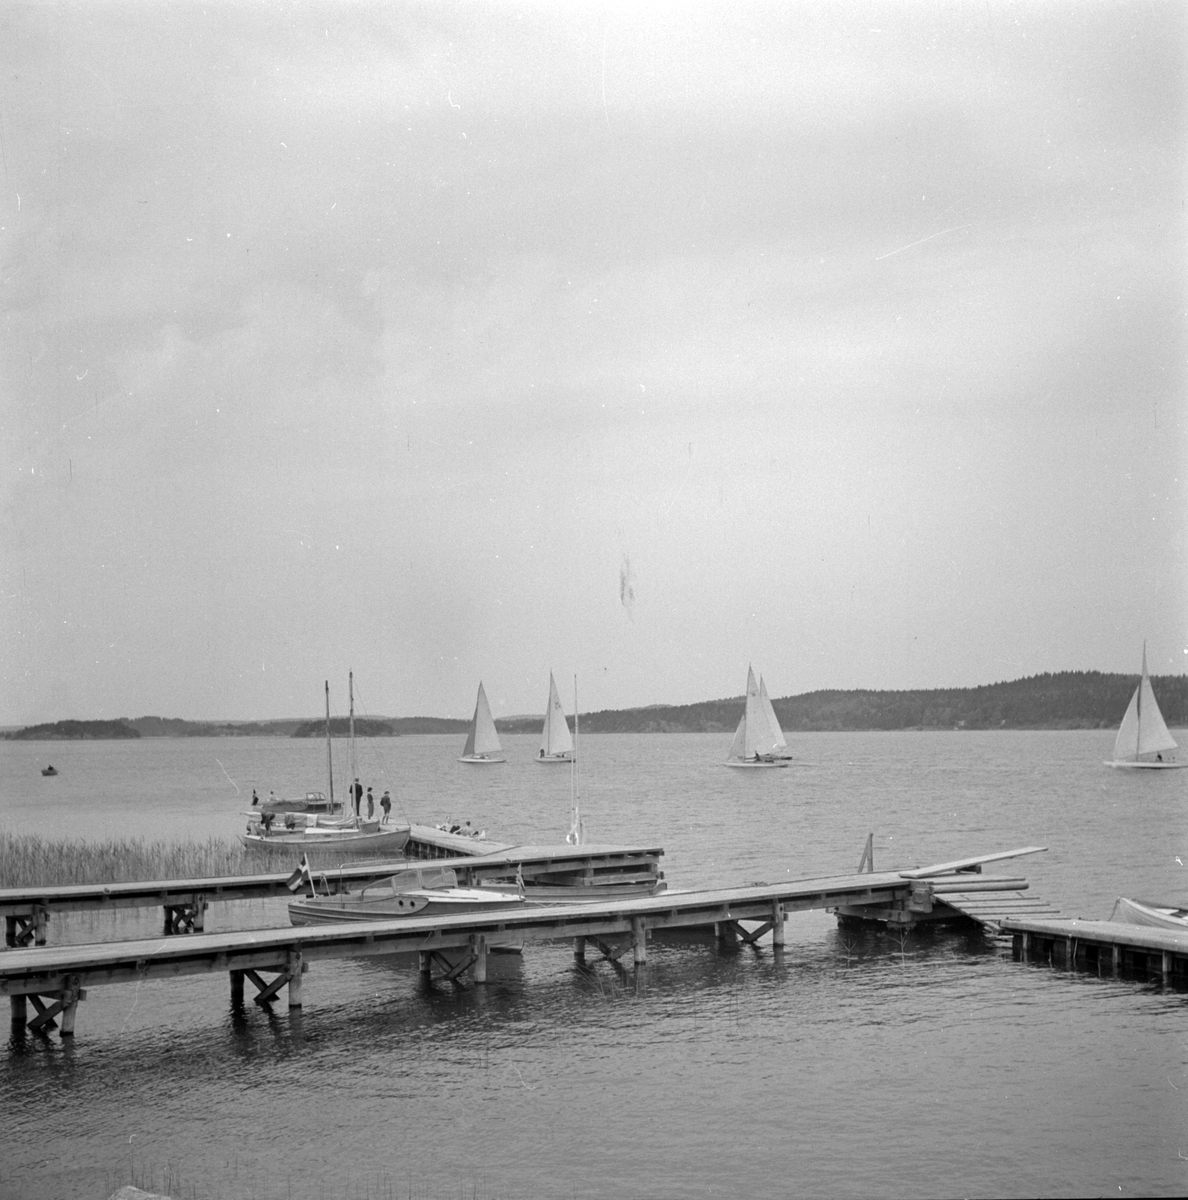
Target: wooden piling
column 426, row 962
column 237, row 988
column 478, row 945
column 777, row 924
column 296, row 968
column 71, row 995
column 639, row 937
column 579, row 948
column 20, row 1009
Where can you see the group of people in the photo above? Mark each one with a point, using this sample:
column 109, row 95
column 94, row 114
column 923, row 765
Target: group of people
column 385, row 801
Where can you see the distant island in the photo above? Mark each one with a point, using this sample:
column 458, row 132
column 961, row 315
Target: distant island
column 1065, row 700
column 341, row 727
column 75, row 731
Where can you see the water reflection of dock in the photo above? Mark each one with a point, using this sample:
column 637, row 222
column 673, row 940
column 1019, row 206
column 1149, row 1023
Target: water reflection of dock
column 54, row 979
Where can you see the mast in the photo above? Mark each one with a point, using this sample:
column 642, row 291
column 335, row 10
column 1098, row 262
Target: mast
column 575, row 817
column 354, row 762
column 329, row 757
column 1138, row 728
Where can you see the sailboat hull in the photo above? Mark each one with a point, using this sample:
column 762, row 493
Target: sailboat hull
column 1145, row 766
column 480, row 760
column 780, row 762
column 546, row 759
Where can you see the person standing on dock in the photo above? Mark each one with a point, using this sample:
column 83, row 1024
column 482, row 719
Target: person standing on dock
column 357, row 792
column 370, row 804
column 386, row 805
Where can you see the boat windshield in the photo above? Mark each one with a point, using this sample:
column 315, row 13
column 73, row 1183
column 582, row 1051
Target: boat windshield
column 421, row 878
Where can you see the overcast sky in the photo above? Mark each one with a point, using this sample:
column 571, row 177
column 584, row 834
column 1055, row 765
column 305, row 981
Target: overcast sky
column 450, row 342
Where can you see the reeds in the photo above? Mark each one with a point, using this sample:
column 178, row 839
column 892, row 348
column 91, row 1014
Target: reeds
column 28, row 860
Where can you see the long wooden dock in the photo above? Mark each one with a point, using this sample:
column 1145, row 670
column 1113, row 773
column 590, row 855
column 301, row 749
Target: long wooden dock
column 184, row 902
column 55, row 979
column 1112, row 946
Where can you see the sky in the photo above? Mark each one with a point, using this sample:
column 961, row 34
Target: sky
column 447, row 342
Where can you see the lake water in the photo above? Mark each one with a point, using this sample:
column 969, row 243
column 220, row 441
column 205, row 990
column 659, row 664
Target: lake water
column 860, row 1065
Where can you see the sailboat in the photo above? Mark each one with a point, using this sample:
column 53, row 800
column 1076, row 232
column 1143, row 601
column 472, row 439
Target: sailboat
column 1143, row 739
column 482, row 742
column 781, row 745
column 313, row 833
column 755, row 742
column 556, row 742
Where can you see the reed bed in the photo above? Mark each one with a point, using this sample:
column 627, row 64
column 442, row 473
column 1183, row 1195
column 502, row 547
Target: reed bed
column 28, row 860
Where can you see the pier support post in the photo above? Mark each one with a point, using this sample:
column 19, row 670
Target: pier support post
column 1025, row 946
column 71, row 995
column 579, row 948
column 237, row 988
column 639, row 936
column 777, row 924
column 1167, row 966
column 426, row 962
column 20, row 1009
column 1070, row 953
column 1116, row 957
column 295, row 968
column 478, row 946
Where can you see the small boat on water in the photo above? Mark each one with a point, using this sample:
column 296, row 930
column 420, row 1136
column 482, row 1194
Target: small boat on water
column 756, row 743
column 50, row 770
column 556, row 742
column 415, row 892
column 1153, row 916
column 482, row 742
column 1143, row 739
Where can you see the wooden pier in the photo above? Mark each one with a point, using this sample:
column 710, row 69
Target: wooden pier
column 54, row 979
column 1105, row 946
column 184, row 902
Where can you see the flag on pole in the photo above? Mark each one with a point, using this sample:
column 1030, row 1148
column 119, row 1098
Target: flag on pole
column 301, row 877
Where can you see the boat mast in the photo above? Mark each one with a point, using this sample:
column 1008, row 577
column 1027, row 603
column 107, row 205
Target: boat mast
column 1138, row 727
column 354, row 763
column 575, row 817
column 329, row 756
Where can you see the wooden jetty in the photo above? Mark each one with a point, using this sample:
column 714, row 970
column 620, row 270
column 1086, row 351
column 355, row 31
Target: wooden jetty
column 1112, row 946
column 55, row 979
column 184, row 902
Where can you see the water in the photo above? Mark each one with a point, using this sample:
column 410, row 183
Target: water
column 859, row 1066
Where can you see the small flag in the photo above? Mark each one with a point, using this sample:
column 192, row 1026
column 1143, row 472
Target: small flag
column 302, row 876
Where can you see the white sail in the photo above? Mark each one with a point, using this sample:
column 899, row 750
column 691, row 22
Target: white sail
column 1143, row 732
column 779, row 744
column 556, row 740
column 758, row 740
column 481, row 741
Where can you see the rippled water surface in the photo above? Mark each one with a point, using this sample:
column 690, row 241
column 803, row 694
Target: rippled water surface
column 858, row 1065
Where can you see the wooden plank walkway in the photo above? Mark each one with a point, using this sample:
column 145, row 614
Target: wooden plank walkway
column 991, row 909
column 27, row 910
column 54, row 979
column 1105, row 945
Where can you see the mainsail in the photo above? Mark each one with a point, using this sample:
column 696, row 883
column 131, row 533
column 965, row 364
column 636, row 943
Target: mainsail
column 555, row 741
column 481, row 740
column 1143, row 732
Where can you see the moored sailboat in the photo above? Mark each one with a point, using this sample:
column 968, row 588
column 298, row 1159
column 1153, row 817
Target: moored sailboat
column 755, row 743
column 319, row 834
column 1143, row 739
column 482, row 741
column 556, row 742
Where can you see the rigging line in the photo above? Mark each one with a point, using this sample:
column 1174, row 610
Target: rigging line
column 921, row 242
